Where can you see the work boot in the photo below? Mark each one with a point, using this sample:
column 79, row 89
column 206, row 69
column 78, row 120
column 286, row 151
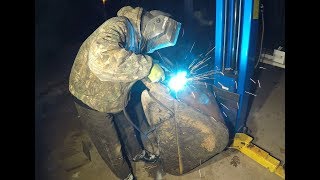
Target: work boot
column 130, row 177
column 146, row 157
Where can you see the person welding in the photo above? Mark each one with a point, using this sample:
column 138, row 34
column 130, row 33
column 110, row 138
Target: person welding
column 108, row 63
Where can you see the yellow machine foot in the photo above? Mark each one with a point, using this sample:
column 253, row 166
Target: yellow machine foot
column 242, row 142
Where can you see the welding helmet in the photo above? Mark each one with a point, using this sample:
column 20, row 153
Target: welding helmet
column 158, row 31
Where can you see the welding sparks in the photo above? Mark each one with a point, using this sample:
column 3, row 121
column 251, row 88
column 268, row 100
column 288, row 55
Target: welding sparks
column 225, row 106
column 192, row 86
column 193, row 67
column 250, row 93
column 193, row 95
column 224, row 114
column 190, row 50
column 210, row 51
column 199, row 64
column 223, row 87
column 192, row 47
column 259, row 84
column 201, row 67
column 213, row 118
column 203, row 76
column 191, row 64
column 252, row 80
column 199, row 169
column 206, row 74
column 229, row 69
column 199, row 82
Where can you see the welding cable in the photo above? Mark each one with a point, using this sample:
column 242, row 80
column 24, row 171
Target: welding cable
column 160, row 103
column 136, row 127
column 141, row 132
column 262, row 34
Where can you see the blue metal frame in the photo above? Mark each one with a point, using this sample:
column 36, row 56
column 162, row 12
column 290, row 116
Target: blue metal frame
column 219, row 34
column 230, row 35
column 246, row 50
column 219, row 48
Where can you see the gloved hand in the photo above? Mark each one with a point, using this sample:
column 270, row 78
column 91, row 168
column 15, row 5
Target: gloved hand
column 156, row 73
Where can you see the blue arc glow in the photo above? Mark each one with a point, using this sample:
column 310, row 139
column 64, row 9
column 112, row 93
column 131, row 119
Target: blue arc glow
column 178, row 81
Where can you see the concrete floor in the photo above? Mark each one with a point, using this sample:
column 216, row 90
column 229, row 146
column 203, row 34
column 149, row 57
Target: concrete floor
column 57, row 121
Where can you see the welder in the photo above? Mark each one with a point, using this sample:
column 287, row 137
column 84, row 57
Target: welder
column 107, row 65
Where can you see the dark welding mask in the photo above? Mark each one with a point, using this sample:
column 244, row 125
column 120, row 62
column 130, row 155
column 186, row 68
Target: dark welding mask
column 159, row 31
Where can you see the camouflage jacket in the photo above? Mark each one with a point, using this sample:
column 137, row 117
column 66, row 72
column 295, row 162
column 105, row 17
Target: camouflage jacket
column 109, row 62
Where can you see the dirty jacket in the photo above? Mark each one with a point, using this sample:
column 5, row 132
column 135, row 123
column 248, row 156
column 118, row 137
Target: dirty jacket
column 109, row 62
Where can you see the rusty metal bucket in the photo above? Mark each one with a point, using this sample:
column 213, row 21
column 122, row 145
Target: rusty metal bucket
column 187, row 130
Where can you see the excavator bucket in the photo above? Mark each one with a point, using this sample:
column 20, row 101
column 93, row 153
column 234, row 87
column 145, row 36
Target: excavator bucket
column 186, row 131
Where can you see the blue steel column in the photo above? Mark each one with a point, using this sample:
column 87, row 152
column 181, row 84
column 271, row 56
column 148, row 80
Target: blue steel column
column 221, row 38
column 243, row 79
column 229, row 52
column 244, row 54
column 219, row 34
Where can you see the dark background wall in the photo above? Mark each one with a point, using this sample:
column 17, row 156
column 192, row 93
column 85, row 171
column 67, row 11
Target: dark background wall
column 274, row 16
column 62, row 24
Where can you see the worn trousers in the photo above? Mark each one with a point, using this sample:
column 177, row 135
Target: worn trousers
column 113, row 136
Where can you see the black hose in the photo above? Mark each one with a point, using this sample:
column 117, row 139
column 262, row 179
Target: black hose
column 160, row 103
column 136, row 127
column 141, row 132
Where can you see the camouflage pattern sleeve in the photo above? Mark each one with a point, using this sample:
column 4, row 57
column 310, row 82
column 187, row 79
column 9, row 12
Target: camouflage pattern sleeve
column 110, row 61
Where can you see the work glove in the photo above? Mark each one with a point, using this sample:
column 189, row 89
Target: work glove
column 156, row 73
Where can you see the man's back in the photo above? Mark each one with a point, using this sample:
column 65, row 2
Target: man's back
column 104, row 70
